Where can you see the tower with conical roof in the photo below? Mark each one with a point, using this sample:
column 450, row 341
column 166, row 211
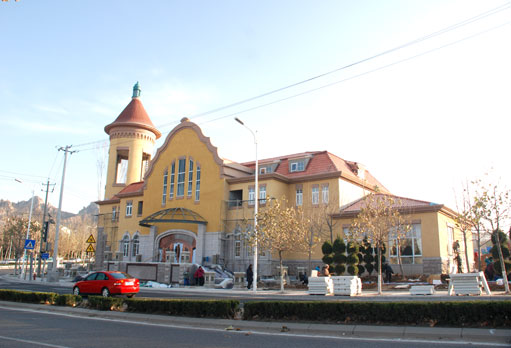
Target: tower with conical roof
column 132, row 138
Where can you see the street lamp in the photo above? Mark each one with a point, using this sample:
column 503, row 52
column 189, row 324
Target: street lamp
column 254, row 281
column 22, row 273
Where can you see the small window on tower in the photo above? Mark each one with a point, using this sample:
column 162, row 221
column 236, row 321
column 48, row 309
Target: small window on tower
column 122, row 166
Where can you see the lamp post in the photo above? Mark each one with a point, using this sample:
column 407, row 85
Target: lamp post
column 22, row 273
column 256, row 205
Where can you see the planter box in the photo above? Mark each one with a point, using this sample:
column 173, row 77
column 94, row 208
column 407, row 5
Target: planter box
column 346, row 285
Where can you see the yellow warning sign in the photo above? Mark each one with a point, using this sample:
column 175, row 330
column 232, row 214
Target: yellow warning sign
column 90, row 249
column 91, row 239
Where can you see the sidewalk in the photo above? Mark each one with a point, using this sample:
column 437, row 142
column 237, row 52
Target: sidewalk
column 297, row 294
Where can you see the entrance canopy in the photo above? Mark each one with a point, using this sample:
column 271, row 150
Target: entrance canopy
column 173, row 215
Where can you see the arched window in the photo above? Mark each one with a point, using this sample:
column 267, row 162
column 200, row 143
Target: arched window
column 136, row 246
column 126, row 246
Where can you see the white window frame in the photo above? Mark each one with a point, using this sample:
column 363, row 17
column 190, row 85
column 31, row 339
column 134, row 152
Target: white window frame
column 299, row 196
column 262, row 194
column 135, row 250
column 165, row 181
column 315, row 194
column 197, row 183
column 114, row 213
column 181, row 173
column 190, row 178
column 237, row 245
column 129, row 208
column 172, row 172
column 126, row 246
column 324, row 193
column 297, row 166
column 251, row 195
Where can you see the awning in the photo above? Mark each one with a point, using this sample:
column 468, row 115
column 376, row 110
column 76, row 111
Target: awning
column 173, row 215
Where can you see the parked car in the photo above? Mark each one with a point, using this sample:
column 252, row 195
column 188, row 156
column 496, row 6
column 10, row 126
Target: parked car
column 107, row 283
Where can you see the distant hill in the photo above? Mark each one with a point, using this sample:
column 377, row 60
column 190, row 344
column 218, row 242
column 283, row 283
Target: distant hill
column 75, row 228
column 22, row 208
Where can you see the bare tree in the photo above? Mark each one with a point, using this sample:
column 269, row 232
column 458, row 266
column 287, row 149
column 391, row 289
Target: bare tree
column 377, row 219
column 282, row 229
column 494, row 205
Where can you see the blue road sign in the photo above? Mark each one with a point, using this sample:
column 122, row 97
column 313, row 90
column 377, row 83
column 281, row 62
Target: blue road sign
column 45, row 256
column 29, row 244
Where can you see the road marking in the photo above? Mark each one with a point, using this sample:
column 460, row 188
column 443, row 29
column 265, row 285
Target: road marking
column 33, row 342
column 263, row 333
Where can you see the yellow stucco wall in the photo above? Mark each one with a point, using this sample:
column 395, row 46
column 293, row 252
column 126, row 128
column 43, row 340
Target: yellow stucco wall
column 186, row 143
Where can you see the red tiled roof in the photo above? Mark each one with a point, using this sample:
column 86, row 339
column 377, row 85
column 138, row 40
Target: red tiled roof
column 131, row 189
column 134, row 115
column 321, row 162
column 400, row 202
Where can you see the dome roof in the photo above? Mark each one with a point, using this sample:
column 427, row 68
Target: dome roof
column 135, row 116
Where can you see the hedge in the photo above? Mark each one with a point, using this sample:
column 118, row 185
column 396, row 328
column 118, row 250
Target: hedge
column 39, row 297
column 459, row 314
column 190, row 308
column 447, row 313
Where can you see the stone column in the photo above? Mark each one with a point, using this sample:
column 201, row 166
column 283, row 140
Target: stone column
column 200, row 243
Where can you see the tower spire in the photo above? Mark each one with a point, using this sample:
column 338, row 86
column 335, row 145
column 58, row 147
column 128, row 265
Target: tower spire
column 136, row 90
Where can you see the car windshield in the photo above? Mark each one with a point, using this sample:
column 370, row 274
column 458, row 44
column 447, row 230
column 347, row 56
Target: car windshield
column 120, row 275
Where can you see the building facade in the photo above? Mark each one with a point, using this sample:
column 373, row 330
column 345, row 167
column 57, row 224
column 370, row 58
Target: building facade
column 188, row 205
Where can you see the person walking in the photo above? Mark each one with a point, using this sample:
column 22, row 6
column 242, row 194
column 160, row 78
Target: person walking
column 250, row 276
column 388, row 272
column 199, row 276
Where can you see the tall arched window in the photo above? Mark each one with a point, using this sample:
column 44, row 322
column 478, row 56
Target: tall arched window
column 126, row 246
column 136, row 246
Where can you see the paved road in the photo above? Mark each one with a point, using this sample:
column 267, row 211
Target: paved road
column 34, row 327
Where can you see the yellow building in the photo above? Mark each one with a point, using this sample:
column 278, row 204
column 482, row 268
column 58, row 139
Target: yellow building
column 188, row 205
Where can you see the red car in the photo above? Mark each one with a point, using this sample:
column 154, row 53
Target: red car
column 107, row 283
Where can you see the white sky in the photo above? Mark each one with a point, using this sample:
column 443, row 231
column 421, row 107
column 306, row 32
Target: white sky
column 421, row 122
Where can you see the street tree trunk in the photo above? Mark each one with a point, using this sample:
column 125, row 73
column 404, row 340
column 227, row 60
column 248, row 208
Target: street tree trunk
column 281, row 273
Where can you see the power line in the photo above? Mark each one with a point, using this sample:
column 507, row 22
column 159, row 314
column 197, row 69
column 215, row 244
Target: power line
column 410, row 43
column 340, row 81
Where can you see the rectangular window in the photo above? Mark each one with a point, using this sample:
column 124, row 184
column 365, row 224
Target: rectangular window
column 262, row 194
column 140, row 208
column 262, row 170
column 165, row 178
column 129, row 208
column 237, row 245
column 450, row 240
column 190, row 179
column 114, row 214
column 298, row 166
column 197, row 184
column 251, row 195
column 325, row 195
column 299, row 196
column 125, row 247
column 172, row 172
column 181, row 178
column 315, row 194
column 410, row 246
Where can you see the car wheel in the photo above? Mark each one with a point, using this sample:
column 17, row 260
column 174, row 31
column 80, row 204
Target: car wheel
column 130, row 295
column 105, row 292
column 76, row 291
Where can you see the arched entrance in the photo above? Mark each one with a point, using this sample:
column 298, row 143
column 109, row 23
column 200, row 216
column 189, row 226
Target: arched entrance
column 177, row 247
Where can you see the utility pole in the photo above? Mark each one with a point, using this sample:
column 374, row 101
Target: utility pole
column 44, row 230
column 54, row 274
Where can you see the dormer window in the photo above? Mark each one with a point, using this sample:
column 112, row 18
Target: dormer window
column 297, row 166
column 263, row 170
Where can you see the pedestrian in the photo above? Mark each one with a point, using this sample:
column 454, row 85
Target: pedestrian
column 199, row 276
column 250, row 276
column 388, row 272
